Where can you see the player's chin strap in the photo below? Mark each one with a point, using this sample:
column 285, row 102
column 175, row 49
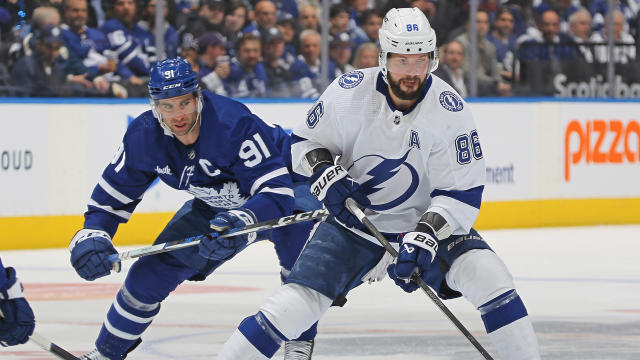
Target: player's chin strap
column 353, row 207
column 47, row 345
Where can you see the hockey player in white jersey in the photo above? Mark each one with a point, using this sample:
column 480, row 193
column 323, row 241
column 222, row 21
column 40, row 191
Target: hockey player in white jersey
column 403, row 144
column 236, row 167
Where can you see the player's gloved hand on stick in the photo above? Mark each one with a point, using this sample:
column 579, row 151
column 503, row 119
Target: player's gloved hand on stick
column 417, row 252
column 332, row 185
column 16, row 317
column 216, row 248
column 90, row 250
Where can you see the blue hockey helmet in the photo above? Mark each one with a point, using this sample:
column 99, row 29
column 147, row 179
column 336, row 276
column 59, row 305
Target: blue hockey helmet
column 172, row 77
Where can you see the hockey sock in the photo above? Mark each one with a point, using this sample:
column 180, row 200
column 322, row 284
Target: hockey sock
column 126, row 320
column 262, row 334
column 509, row 328
column 310, row 334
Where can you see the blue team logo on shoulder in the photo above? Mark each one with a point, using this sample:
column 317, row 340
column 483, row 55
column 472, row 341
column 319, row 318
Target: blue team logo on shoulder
column 351, row 79
column 450, row 101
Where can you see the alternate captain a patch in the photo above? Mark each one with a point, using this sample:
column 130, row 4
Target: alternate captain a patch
column 414, row 140
column 351, row 79
column 450, row 101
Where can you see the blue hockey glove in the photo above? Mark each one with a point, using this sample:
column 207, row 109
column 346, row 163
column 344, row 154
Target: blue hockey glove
column 16, row 317
column 90, row 250
column 417, row 252
column 215, row 248
column 332, row 185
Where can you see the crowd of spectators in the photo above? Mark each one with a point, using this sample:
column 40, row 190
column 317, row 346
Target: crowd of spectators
column 272, row 48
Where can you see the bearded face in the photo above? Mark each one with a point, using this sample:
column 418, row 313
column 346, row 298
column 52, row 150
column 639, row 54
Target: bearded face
column 407, row 87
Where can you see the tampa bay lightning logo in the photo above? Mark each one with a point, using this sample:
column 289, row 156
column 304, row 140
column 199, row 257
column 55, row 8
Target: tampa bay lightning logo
column 451, row 101
column 351, row 79
column 391, row 172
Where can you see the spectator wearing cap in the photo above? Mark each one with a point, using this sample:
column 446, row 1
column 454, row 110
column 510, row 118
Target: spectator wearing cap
column 340, row 51
column 46, row 73
column 148, row 23
column 248, row 77
column 127, row 40
column 287, row 27
column 368, row 30
column 42, row 16
column 236, row 18
column 278, row 74
column 214, row 61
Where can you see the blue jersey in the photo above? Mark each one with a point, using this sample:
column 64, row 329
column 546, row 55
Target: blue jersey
column 237, row 161
column 129, row 45
column 241, row 83
column 88, row 46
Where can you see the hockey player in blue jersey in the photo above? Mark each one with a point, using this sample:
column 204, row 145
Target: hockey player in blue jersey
column 235, row 166
column 16, row 317
column 410, row 155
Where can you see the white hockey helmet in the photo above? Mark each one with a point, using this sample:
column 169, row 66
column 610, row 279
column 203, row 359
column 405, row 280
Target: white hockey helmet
column 406, row 31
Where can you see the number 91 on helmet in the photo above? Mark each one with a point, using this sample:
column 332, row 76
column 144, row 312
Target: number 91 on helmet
column 170, row 78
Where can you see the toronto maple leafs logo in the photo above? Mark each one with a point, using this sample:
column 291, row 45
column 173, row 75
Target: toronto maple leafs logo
column 351, row 79
column 227, row 197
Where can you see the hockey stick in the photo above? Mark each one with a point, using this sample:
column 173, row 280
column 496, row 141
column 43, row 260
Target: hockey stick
column 47, row 345
column 353, row 207
column 195, row 240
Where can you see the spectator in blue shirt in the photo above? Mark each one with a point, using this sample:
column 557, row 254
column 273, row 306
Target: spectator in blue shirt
column 126, row 39
column 88, row 44
column 504, row 40
column 248, row 77
column 148, row 23
column 368, row 30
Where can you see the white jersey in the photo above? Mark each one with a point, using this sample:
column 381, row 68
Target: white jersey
column 426, row 158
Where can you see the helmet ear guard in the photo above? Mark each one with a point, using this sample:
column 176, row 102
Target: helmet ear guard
column 406, row 31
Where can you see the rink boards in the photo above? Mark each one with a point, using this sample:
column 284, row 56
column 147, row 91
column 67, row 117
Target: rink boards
column 549, row 163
